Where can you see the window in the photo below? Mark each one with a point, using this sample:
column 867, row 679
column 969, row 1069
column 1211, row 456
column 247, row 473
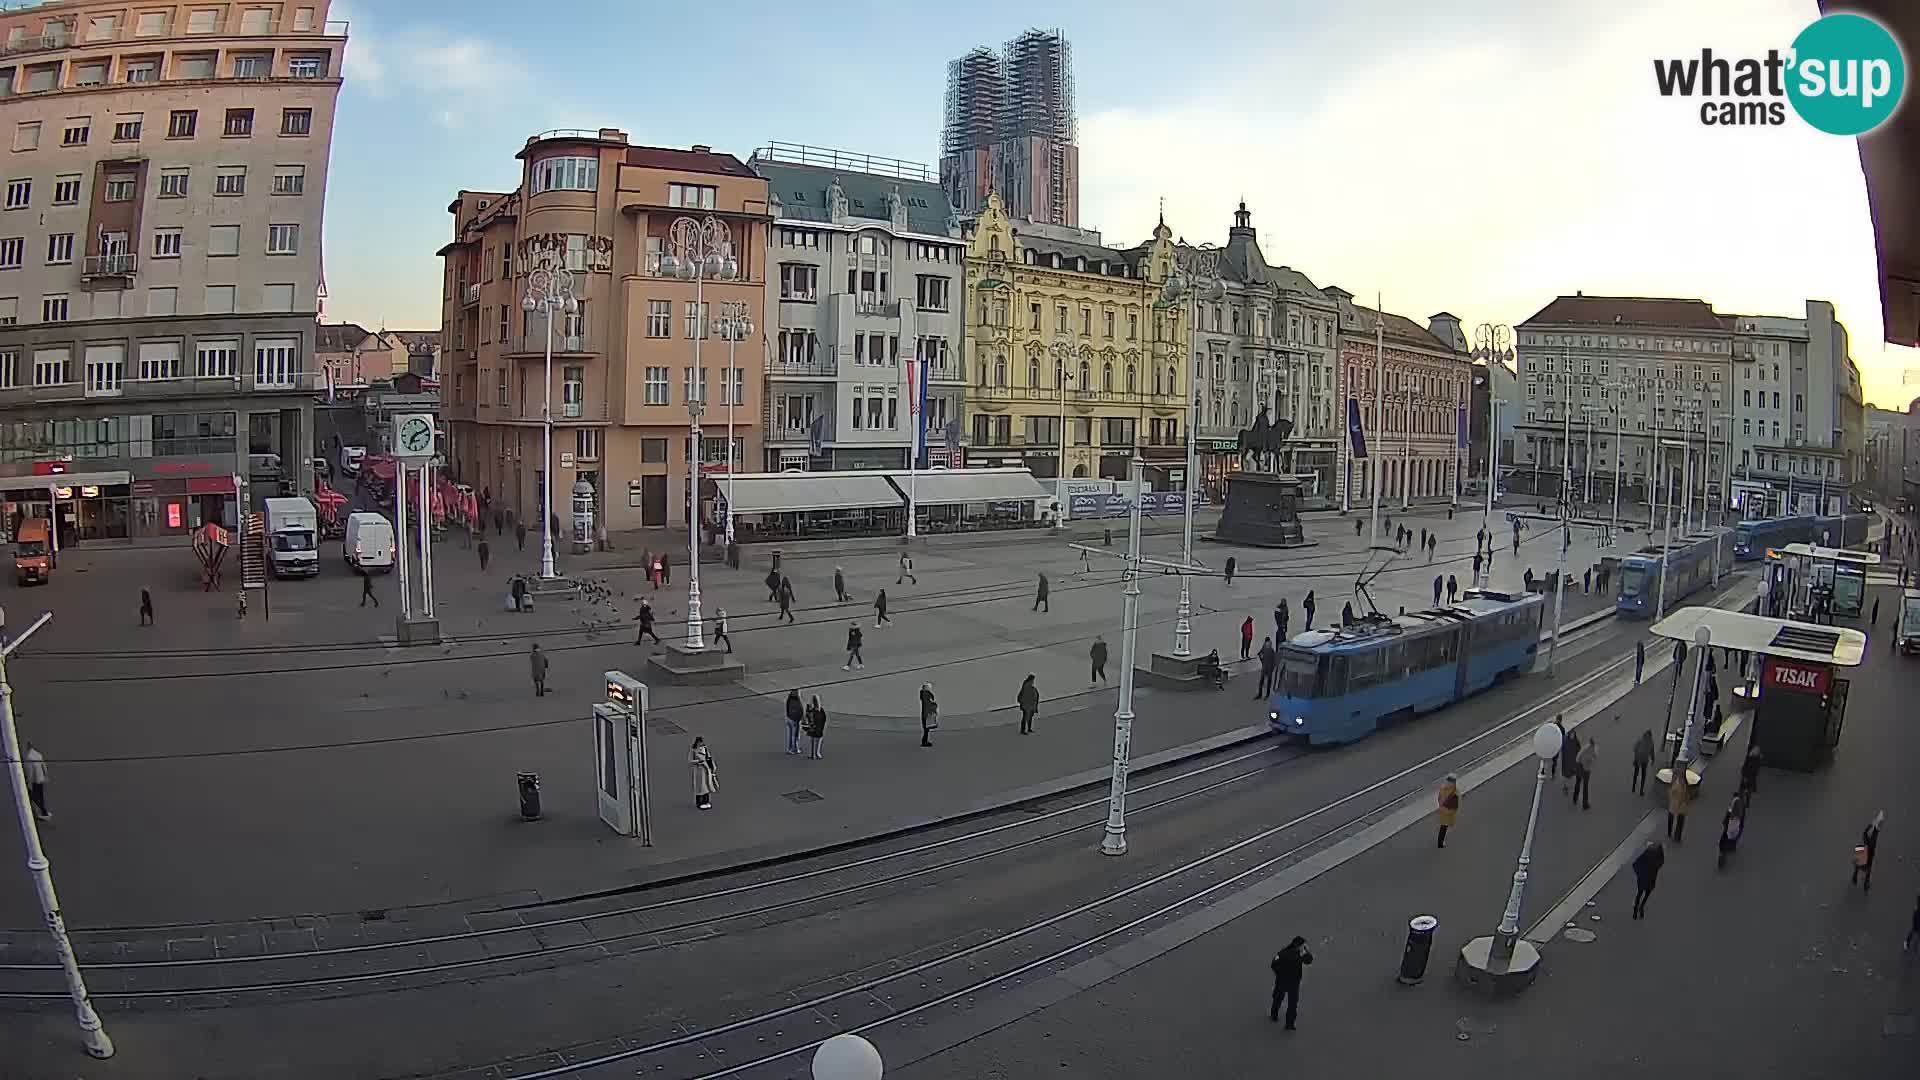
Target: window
column 12, row 252
column 799, row 282
column 239, row 123
column 19, row 194
column 696, row 320
column 52, row 367
column 162, row 360
column 292, row 180
column 9, row 369
column 566, row 174
column 119, row 189
column 126, row 127
column 26, row 136
column 218, row 300
column 572, row 392
column 252, row 66
column 90, row 74
column 274, row 361
column 283, row 239
column 223, row 240
column 59, row 248
column 173, row 184
column 691, row 389
column 166, row 243
column 500, row 389
column 151, row 24
column 306, row 67
column 659, row 318
column 9, row 310
column 53, row 309
column 656, row 385
column 504, row 324
column 296, row 121
column 181, row 123
column 106, row 368
column 931, row 292
column 276, row 297
column 142, row 71
column 230, row 180
column 76, row 130
column 163, row 301
column 586, row 444
column 697, row 196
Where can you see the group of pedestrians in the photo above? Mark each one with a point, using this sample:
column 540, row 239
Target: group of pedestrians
column 810, row 719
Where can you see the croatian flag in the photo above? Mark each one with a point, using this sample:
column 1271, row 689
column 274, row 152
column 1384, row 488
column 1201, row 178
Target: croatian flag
column 917, row 408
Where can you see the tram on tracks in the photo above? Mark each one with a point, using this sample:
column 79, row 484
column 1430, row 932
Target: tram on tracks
column 1338, row 685
column 1751, row 539
column 1689, row 568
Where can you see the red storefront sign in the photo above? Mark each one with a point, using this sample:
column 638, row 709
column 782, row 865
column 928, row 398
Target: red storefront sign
column 1797, row 678
column 209, row 485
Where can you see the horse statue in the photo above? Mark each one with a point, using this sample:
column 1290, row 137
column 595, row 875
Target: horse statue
column 1260, row 444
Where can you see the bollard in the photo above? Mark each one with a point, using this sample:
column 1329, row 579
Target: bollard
column 1413, row 962
column 529, row 796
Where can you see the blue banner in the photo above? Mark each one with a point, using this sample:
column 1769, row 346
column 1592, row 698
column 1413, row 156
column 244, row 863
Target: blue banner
column 1356, row 438
column 1460, row 426
column 920, row 416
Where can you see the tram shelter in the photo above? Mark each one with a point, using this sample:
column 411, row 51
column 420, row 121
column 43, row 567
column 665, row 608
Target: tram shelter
column 1799, row 697
column 1815, row 582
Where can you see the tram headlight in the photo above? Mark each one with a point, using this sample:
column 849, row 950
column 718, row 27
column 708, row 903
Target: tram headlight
column 1273, row 716
column 1299, row 721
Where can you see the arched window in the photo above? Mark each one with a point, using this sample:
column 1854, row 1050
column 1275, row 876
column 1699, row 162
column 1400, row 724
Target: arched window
column 1033, row 372
column 1000, row 372
column 1173, row 379
column 1106, row 377
column 1059, row 374
column 983, row 373
column 1157, row 384
column 1086, row 375
column 1133, row 380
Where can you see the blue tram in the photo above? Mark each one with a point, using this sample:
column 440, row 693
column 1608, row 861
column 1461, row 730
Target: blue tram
column 1751, row 539
column 1689, row 568
column 1335, row 686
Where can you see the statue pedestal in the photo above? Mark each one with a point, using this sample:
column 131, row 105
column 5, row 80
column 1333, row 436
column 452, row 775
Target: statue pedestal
column 1263, row 510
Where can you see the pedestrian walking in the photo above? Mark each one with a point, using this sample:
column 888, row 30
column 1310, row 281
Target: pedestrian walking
column 1246, row 638
column 1583, row 780
column 1433, row 544
column 645, row 619
column 880, row 610
column 1269, row 663
column 1097, row 656
column 1231, row 563
column 1731, row 825
column 146, row 608
column 1678, row 796
column 1639, row 661
column 720, row 631
column 35, row 766
column 1480, row 539
column 537, row 661
column 1516, row 539
column 499, row 524
column 1040, row 596
column 1863, row 853
column 666, row 569
column 1646, row 874
column 1346, row 614
column 795, row 714
column 1553, row 763
column 733, row 554
column 1874, row 619
column 1423, row 537
column 1306, row 606
column 816, row 727
column 854, row 641
column 786, row 598
column 1356, row 526
column 520, row 534
column 1750, row 773
column 1453, row 587
column 906, row 570
column 1029, row 701
column 929, row 714
column 1586, row 581
column 706, row 778
column 1448, row 801
column 1476, row 567
column 485, row 553
column 772, row 581
column 1569, row 761
column 1642, row 760
column 366, row 590
column 1289, row 966
column 1438, row 582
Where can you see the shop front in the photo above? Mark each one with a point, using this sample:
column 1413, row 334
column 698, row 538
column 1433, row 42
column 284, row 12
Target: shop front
column 83, row 506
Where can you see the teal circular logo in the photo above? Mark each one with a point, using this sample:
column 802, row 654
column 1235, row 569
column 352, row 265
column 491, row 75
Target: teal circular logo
column 1847, row 75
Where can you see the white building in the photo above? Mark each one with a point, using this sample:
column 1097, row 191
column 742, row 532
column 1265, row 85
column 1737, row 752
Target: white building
column 1798, row 404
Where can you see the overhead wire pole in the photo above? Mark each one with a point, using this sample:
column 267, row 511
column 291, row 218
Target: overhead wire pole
column 1491, row 342
column 98, row 1043
column 1195, row 277
column 1379, row 413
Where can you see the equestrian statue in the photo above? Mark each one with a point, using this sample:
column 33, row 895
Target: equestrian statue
column 1260, row 444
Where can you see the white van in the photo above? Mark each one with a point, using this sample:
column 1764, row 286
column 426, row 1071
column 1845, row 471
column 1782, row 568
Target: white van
column 369, row 543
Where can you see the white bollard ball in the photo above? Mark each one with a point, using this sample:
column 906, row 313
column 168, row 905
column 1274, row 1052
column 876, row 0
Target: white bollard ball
column 847, row 1057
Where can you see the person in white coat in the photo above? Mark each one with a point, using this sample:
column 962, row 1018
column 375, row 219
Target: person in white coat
column 706, row 779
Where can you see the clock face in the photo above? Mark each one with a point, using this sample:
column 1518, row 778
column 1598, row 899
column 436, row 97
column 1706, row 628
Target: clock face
column 416, row 435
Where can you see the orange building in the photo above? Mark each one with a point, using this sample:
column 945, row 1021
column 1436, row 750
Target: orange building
column 624, row 370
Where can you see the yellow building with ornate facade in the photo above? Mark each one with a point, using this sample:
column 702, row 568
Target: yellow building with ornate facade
column 1067, row 336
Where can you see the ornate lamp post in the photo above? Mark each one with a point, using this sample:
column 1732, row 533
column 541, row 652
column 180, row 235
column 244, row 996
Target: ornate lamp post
column 698, row 249
column 1492, row 344
column 1195, row 277
column 549, row 289
column 732, row 323
column 1502, row 963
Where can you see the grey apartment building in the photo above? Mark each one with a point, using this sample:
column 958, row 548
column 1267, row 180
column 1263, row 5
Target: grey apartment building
column 865, row 270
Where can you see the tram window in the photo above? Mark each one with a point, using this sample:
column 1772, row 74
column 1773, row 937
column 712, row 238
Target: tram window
column 1297, row 674
column 1334, row 681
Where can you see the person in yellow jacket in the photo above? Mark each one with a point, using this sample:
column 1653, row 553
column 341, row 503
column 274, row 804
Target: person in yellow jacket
column 1448, row 799
column 1677, row 798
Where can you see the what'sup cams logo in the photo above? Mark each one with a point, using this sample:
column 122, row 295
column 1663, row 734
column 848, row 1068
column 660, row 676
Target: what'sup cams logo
column 1844, row 75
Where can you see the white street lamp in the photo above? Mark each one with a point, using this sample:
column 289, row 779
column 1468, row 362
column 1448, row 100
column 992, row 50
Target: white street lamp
column 698, row 249
column 847, row 1057
column 1492, row 345
column 734, row 325
column 1196, row 276
column 549, row 289
column 1502, row 961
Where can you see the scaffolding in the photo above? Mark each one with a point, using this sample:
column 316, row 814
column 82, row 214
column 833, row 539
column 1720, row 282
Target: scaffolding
column 976, row 97
column 1012, row 112
column 1038, row 68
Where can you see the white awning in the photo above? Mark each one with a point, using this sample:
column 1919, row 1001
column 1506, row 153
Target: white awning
column 76, row 479
column 950, row 486
column 779, row 493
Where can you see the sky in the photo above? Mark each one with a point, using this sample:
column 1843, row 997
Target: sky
column 1473, row 156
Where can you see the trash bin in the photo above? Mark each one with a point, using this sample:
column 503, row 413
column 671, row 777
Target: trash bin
column 1413, row 962
column 530, row 798
column 776, row 560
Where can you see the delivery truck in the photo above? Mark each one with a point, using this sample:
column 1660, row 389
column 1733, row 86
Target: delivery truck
column 293, row 537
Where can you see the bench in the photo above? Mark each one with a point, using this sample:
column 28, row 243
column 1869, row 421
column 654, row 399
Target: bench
column 1730, row 724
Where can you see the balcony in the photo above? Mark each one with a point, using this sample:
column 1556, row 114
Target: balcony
column 885, row 309
column 64, row 35
column 470, row 295
column 819, row 367
column 118, row 265
column 535, row 344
